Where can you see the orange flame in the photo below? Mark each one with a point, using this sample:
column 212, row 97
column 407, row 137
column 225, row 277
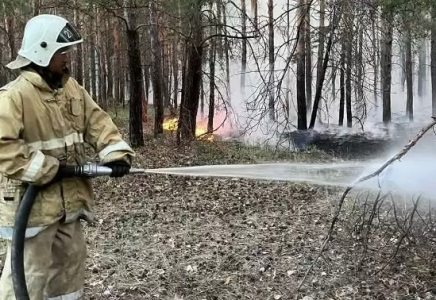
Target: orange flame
column 200, row 131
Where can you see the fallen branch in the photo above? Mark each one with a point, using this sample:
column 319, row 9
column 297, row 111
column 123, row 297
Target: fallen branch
column 398, row 156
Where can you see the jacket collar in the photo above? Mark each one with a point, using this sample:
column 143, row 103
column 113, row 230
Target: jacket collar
column 34, row 78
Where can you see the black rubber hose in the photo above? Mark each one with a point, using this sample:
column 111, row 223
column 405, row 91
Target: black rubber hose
column 18, row 238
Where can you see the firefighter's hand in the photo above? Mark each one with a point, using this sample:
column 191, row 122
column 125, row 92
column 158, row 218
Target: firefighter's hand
column 119, row 168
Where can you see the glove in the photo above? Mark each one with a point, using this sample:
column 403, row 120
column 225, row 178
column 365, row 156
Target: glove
column 119, row 168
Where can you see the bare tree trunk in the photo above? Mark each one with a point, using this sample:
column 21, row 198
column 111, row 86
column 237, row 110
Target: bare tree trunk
column 136, row 89
column 79, row 49
column 117, row 63
column 349, row 63
column 301, row 67
column 10, row 29
column 342, row 85
column 422, row 68
column 409, row 75
column 322, row 72
column 175, row 64
column 271, row 89
column 109, row 63
column 36, row 4
column 386, row 62
column 212, row 58
column 375, row 56
column 319, row 64
column 191, row 94
column 93, row 60
column 219, row 42
column 226, row 52
column 244, row 44
column 157, row 79
column 102, row 66
column 288, row 73
column 254, row 9
column 433, row 58
column 307, row 37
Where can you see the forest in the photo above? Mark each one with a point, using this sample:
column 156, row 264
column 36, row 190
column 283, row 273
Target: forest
column 292, row 65
column 213, row 84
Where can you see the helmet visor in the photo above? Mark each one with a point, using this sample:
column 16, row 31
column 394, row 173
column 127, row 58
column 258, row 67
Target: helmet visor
column 68, row 34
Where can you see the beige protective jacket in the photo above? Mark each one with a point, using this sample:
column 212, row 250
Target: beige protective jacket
column 40, row 126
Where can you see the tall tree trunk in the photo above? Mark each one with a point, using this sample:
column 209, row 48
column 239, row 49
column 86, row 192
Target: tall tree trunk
column 191, row 94
column 136, row 89
column 175, row 64
column 307, row 37
column 102, row 64
column 254, row 9
column 212, row 58
column 10, row 29
column 301, row 67
column 36, row 5
column 342, row 85
column 409, row 71
column 288, row 73
column 386, row 62
column 79, row 50
column 93, row 60
column 321, row 73
column 271, row 89
column 433, row 58
column 117, row 63
column 109, row 63
column 227, row 56
column 349, row 63
column 375, row 56
column 360, row 99
column 319, row 64
column 244, row 44
column 422, row 68
column 219, row 41
column 157, row 79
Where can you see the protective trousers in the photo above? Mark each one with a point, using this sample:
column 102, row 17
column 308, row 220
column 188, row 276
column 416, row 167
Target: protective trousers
column 54, row 262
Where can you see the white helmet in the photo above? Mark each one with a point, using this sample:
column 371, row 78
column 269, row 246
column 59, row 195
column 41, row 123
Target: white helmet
column 43, row 36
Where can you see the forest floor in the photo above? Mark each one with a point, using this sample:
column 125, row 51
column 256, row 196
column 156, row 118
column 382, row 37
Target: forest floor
column 170, row 237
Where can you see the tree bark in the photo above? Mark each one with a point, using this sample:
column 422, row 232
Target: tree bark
column 342, row 86
column 79, row 48
column 191, row 93
column 157, row 79
column 409, row 75
column 117, row 63
column 422, row 68
column 307, row 37
column 301, row 67
column 386, row 62
column 321, row 73
column 136, row 89
column 433, row 58
column 212, row 58
column 254, row 9
column 321, row 42
column 271, row 57
column 244, row 44
column 227, row 56
column 349, row 63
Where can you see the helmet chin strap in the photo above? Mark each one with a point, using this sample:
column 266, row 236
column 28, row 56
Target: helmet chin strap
column 53, row 80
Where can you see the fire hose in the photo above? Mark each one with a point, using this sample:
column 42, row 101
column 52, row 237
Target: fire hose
column 22, row 217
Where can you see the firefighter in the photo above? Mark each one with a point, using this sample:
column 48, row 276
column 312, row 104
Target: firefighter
column 46, row 118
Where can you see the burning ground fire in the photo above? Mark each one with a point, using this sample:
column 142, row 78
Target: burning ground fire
column 200, row 131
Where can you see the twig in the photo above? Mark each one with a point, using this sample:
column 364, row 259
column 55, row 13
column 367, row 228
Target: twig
column 398, row 156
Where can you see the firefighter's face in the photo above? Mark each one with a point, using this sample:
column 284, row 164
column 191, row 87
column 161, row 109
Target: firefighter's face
column 59, row 62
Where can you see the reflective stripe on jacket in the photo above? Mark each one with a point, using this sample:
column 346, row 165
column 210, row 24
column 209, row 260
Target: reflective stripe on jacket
column 40, row 126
